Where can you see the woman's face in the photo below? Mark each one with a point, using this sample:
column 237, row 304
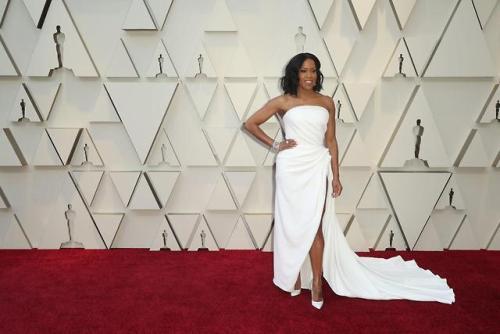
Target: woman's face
column 307, row 75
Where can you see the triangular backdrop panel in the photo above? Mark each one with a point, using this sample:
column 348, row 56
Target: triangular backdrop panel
column 73, row 51
column 138, row 17
column 413, row 196
column 152, row 99
column 463, row 51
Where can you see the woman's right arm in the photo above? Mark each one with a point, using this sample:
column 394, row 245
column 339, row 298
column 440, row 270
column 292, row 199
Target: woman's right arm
column 263, row 114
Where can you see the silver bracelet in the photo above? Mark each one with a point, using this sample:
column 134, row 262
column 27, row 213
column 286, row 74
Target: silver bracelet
column 275, row 147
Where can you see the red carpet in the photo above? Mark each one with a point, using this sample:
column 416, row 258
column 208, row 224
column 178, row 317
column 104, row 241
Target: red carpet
column 138, row 291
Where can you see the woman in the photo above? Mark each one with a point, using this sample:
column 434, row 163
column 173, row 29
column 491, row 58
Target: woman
column 305, row 220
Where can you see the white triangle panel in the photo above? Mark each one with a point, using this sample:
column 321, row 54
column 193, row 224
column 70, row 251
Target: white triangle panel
column 240, row 183
column 189, row 140
column 64, row 141
column 463, row 51
column 159, row 10
column 357, row 179
column 121, row 65
column 356, row 239
column 220, row 18
column 107, row 199
column 27, row 139
column 320, row 10
column 138, row 17
column 359, row 95
column 163, row 184
column 240, row 239
column 231, row 58
column 35, row 8
column 221, row 198
column 125, row 183
column 143, row 198
column 402, row 9
column 344, row 136
column 220, row 138
column 11, row 233
column 46, row 154
column 151, row 99
column 7, row 68
column 371, row 223
column 260, row 196
column 357, row 154
column 221, row 112
column 240, row 92
column 466, row 238
column 108, row 225
column 440, row 230
column 8, row 156
column 240, row 155
column 484, row 8
column 329, row 86
column 44, row 93
column 413, row 211
column 261, row 97
column 201, row 92
column 455, row 105
column 87, row 182
column 183, row 225
column 222, row 225
column 476, row 155
column 260, row 226
column 373, row 196
column 138, row 229
column 362, row 9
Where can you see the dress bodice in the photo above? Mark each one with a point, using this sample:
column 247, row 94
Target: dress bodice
column 306, row 124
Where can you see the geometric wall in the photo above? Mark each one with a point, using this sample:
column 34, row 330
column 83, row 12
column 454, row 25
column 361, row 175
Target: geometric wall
column 144, row 154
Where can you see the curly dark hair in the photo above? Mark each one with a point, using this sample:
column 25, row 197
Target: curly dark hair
column 290, row 81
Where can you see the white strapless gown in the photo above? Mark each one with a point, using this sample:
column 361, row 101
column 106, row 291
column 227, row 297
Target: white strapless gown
column 301, row 181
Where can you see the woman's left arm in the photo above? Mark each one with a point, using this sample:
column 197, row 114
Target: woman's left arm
column 331, row 143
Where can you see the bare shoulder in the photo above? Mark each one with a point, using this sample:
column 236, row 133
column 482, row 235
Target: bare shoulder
column 327, row 102
column 279, row 102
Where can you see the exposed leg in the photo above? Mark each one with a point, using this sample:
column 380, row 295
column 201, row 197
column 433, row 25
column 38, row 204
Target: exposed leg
column 316, row 255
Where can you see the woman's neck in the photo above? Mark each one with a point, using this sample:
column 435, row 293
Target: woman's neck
column 305, row 93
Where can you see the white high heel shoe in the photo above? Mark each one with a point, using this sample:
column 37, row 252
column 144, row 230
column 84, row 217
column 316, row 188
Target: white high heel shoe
column 317, row 305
